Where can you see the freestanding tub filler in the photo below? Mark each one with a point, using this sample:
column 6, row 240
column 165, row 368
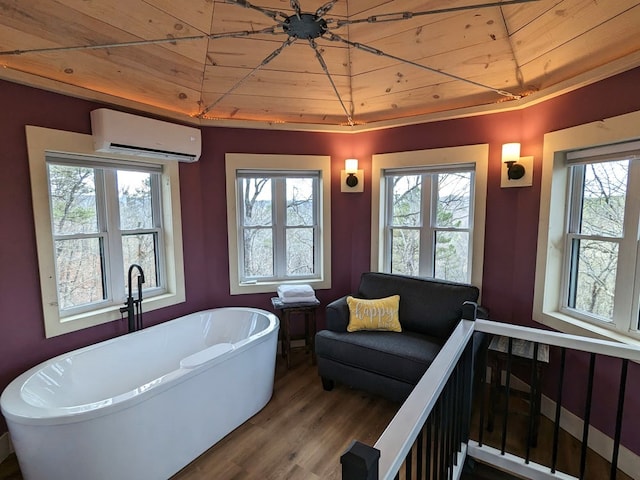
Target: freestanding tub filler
column 143, row 405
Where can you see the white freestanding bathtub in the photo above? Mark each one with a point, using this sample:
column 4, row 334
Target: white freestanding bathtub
column 143, row 405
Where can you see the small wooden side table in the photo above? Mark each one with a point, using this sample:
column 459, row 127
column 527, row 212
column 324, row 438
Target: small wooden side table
column 286, row 310
column 521, row 353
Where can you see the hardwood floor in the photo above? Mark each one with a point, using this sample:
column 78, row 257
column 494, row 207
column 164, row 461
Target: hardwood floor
column 569, row 448
column 300, row 434
column 302, row 431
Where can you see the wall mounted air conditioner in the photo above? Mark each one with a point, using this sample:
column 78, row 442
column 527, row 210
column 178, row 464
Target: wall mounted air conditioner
column 123, row 133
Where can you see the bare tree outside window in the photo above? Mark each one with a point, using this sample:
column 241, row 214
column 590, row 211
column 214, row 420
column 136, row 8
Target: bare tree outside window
column 429, row 224
column 81, row 228
column 279, row 232
column 257, row 219
column 453, row 214
column 77, row 242
column 139, row 240
column 300, row 239
column 598, row 226
column 406, row 220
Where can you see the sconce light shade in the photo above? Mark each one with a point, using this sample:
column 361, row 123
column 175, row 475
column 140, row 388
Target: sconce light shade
column 519, row 169
column 351, row 165
column 350, row 176
column 510, row 152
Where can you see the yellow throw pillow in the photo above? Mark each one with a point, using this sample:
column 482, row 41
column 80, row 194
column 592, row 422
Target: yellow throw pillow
column 378, row 314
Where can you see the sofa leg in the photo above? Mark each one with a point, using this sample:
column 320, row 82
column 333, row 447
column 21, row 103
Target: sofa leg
column 327, row 384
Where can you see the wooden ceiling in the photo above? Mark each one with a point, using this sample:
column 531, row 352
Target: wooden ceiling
column 520, row 49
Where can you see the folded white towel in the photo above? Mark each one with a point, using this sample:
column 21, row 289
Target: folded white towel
column 311, row 299
column 295, row 291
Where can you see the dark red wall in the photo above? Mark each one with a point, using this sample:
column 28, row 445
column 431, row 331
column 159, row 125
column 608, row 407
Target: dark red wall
column 511, row 226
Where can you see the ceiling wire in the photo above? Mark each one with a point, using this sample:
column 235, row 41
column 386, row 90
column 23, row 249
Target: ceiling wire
column 136, row 43
column 278, row 29
column 264, row 62
column 337, row 38
column 519, row 76
column 335, row 89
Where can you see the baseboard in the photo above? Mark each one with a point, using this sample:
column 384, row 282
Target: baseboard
column 6, row 448
column 602, row 444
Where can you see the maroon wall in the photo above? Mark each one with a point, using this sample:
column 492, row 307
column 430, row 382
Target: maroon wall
column 511, row 226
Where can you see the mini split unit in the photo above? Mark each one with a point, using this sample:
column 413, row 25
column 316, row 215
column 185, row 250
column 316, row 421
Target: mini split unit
column 126, row 134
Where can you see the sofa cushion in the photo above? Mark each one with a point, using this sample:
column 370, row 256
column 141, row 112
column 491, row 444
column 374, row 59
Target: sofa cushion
column 379, row 314
column 404, row 357
column 431, row 307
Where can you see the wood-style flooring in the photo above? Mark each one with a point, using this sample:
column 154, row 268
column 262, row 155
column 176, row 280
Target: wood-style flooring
column 300, row 434
column 302, row 431
column 569, row 448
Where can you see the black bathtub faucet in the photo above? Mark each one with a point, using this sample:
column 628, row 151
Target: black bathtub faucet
column 133, row 307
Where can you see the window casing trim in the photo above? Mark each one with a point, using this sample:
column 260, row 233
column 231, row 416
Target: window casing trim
column 279, row 224
column 441, row 158
column 427, row 228
column 44, row 141
column 551, row 226
column 278, row 163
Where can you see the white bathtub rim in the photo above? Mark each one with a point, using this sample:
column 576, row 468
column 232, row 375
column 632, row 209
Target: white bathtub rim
column 27, row 414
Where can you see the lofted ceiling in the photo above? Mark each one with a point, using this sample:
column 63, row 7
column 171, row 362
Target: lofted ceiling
column 232, row 60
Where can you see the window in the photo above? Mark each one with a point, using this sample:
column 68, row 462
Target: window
column 588, row 271
column 279, row 226
column 428, row 211
column 278, row 221
column 428, row 227
column 103, row 219
column 95, row 216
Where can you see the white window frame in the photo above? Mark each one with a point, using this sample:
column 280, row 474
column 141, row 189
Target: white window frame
column 428, row 227
column 42, row 142
column 550, row 267
column 108, row 228
column 445, row 158
column 279, row 226
column 300, row 164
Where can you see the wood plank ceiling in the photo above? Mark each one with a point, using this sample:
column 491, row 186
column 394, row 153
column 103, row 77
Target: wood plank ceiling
column 515, row 49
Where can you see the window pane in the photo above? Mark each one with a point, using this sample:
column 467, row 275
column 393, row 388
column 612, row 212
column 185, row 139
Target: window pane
column 141, row 249
column 73, row 199
column 80, row 272
column 405, row 251
column 258, row 252
column 256, row 201
column 300, row 251
column 299, row 201
column 451, row 256
column 605, row 189
column 593, row 277
column 406, row 200
column 134, row 196
column 454, row 192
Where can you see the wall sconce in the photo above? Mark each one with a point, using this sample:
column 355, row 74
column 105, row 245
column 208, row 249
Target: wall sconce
column 519, row 170
column 351, row 179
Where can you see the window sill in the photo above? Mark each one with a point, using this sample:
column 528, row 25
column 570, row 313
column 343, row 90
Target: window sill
column 84, row 320
column 271, row 287
column 570, row 325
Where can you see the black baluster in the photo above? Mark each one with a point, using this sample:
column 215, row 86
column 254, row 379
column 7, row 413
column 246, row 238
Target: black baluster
column 587, row 416
column 616, row 440
column 556, row 425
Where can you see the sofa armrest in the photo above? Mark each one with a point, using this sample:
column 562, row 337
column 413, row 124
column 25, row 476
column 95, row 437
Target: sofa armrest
column 337, row 315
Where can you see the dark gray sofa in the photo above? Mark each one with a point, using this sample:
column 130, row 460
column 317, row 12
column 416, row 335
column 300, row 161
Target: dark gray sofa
column 390, row 364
